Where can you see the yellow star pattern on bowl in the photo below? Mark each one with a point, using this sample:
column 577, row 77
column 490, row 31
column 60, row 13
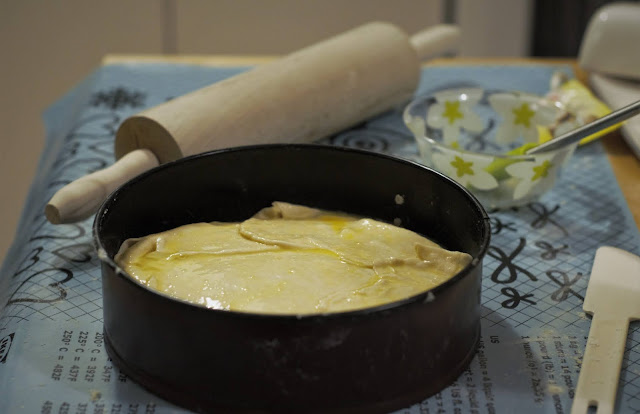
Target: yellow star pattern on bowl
column 523, row 115
column 535, row 174
column 452, row 112
column 467, row 169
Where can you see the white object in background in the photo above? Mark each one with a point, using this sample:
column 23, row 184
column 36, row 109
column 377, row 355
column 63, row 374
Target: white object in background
column 617, row 93
column 610, row 51
column 613, row 298
column 610, row 43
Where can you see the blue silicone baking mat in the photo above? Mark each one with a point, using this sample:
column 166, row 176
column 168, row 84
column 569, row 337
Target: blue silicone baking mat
column 52, row 356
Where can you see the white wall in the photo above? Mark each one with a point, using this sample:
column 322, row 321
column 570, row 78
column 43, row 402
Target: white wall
column 495, row 27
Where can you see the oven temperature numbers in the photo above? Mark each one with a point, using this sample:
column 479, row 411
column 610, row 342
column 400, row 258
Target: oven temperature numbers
column 57, row 372
column 90, row 373
column 73, row 373
column 98, row 407
column 106, row 373
column 80, row 358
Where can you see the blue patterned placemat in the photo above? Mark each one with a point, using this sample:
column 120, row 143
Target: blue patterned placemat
column 52, row 357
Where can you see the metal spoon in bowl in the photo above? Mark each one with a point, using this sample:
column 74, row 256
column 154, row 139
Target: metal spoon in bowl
column 577, row 134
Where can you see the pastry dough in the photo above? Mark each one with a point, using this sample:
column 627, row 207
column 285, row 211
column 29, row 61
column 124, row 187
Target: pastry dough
column 290, row 259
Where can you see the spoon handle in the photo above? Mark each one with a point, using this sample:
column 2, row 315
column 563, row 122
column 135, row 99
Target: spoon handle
column 577, row 134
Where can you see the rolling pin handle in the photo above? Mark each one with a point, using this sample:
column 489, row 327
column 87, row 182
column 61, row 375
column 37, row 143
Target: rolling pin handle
column 80, row 199
column 436, row 40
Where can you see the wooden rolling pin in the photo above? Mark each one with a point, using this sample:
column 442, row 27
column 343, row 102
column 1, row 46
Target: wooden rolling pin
column 305, row 96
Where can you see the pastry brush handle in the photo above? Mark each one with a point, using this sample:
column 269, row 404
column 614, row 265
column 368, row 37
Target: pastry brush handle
column 80, row 199
column 600, row 372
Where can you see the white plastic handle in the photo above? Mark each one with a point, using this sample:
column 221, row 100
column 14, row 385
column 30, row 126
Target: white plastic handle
column 600, row 372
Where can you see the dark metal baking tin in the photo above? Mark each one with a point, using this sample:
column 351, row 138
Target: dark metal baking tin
column 370, row 360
